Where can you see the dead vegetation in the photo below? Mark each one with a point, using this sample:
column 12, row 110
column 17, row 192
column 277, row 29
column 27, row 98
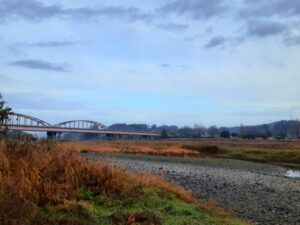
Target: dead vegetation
column 35, row 175
column 259, row 151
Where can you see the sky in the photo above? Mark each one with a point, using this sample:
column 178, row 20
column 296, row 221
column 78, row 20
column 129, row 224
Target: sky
column 182, row 62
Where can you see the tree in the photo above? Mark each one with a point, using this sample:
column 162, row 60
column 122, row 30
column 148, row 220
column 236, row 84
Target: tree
column 225, row 134
column 4, row 112
column 164, row 133
column 199, row 131
column 297, row 129
column 213, row 131
column 153, row 127
column 242, row 131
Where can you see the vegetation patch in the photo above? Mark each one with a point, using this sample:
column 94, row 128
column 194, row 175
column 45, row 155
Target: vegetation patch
column 287, row 152
column 40, row 183
column 205, row 149
column 152, row 207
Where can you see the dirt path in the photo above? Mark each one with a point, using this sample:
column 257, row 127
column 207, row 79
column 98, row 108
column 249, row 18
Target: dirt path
column 254, row 191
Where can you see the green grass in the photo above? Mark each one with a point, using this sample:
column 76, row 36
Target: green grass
column 248, row 153
column 147, row 206
column 263, row 155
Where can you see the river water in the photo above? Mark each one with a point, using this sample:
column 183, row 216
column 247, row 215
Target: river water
column 293, row 174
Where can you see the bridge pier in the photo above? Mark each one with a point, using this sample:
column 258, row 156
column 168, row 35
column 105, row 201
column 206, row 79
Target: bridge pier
column 51, row 135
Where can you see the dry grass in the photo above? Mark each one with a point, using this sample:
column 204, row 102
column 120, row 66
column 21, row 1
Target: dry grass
column 262, row 151
column 165, row 148
column 38, row 174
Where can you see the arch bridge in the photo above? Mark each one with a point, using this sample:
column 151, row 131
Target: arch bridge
column 24, row 120
column 82, row 124
column 21, row 122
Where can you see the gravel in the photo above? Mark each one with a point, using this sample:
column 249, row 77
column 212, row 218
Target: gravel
column 257, row 192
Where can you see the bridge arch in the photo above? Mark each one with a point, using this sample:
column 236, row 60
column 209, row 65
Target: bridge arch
column 82, row 124
column 24, row 120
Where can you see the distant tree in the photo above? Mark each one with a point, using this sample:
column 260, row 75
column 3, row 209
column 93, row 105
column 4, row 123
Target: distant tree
column 281, row 129
column 185, row 132
column 198, row 131
column 213, row 131
column 268, row 134
column 225, row 134
column 4, row 111
column 164, row 133
column 153, row 127
column 234, row 135
column 242, row 131
column 297, row 129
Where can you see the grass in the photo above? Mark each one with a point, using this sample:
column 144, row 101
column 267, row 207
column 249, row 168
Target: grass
column 150, row 206
column 165, row 148
column 258, row 151
column 266, row 152
column 41, row 183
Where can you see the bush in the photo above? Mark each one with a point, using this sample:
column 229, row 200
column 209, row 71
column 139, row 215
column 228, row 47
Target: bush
column 205, row 149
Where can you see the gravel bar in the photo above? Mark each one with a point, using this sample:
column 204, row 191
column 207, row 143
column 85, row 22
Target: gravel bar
column 254, row 191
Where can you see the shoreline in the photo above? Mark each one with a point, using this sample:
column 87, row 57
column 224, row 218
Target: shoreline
column 254, row 191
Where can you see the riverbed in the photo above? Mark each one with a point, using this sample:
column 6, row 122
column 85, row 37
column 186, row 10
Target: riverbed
column 258, row 192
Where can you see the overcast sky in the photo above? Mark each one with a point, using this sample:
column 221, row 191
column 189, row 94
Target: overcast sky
column 182, row 62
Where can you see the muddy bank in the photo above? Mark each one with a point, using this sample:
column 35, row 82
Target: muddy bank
column 254, row 191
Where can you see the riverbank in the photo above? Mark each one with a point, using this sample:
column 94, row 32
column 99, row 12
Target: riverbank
column 267, row 151
column 254, row 191
column 41, row 183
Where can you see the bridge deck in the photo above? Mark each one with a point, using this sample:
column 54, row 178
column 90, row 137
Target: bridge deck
column 76, row 130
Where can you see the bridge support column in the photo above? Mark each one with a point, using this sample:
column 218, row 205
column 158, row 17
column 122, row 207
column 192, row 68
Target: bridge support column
column 51, row 135
column 109, row 136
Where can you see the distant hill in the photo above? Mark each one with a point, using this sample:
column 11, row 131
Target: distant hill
column 129, row 127
column 280, row 130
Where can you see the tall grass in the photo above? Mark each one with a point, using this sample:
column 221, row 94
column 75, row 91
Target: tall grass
column 37, row 174
column 250, row 150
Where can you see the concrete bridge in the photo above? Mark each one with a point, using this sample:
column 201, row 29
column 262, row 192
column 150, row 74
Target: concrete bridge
column 21, row 122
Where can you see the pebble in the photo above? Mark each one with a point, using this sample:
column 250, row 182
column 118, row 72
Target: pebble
column 254, row 191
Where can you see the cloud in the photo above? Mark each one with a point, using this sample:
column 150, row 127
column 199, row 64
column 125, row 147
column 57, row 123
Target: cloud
column 50, row 44
column 165, row 65
column 120, row 12
column 173, row 26
column 29, row 9
column 218, row 41
column 265, row 28
column 36, row 11
column 266, row 18
column 40, row 65
column 215, row 41
column 270, row 8
column 179, row 66
column 197, row 9
column 5, row 78
column 46, row 44
column 292, row 40
column 207, row 32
